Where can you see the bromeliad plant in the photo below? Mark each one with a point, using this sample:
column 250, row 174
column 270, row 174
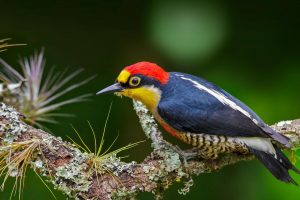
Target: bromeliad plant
column 34, row 93
column 18, row 154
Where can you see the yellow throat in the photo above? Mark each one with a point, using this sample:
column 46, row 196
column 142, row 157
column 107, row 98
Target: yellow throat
column 149, row 96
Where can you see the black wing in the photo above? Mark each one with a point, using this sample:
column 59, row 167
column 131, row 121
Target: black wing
column 191, row 109
column 214, row 120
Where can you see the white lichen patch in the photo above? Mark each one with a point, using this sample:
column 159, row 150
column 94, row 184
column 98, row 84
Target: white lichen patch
column 187, row 187
column 14, row 128
column 74, row 172
column 146, row 120
column 282, row 123
column 148, row 124
column 13, row 171
column 113, row 164
column 123, row 193
column 146, row 169
column 39, row 164
column 171, row 162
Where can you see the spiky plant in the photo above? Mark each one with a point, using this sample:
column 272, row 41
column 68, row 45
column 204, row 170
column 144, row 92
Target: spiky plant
column 16, row 156
column 35, row 93
column 101, row 159
column 14, row 160
column 4, row 44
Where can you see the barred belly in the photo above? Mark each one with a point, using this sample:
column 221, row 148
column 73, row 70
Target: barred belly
column 210, row 146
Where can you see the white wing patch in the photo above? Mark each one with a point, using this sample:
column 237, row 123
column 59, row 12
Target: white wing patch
column 221, row 97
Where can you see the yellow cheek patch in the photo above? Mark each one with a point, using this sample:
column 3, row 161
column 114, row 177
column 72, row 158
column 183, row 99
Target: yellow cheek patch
column 149, row 96
column 123, row 76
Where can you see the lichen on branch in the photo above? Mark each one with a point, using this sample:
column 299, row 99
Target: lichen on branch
column 71, row 170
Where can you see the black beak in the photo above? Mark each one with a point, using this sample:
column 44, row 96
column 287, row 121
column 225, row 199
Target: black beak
column 117, row 87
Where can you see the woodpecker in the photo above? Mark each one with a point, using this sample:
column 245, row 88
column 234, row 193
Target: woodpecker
column 203, row 115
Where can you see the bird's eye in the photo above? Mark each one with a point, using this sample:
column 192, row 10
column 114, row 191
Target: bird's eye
column 134, row 81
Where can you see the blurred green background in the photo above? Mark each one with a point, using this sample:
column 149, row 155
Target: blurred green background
column 250, row 48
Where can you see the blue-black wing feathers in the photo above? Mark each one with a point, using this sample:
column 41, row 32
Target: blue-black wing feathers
column 191, row 109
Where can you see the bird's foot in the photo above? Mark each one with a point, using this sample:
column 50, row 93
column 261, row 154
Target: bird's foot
column 185, row 155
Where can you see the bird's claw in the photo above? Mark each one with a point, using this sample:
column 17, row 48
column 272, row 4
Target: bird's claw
column 185, row 155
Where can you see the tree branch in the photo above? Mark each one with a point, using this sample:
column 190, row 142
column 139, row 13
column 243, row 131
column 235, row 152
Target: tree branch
column 85, row 176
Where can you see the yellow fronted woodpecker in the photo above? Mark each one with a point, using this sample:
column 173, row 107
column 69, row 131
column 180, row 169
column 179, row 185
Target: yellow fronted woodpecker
column 203, row 115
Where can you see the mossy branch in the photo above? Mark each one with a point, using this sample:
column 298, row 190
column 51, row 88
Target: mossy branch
column 72, row 172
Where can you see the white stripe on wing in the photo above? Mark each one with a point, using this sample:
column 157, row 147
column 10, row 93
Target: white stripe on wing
column 221, row 97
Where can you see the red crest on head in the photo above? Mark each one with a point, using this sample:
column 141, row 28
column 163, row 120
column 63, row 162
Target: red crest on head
column 149, row 69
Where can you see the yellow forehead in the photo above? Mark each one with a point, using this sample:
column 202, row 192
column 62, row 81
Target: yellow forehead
column 123, row 76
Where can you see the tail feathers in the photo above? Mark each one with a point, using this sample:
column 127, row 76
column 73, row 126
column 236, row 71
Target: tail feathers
column 285, row 161
column 277, row 136
column 278, row 164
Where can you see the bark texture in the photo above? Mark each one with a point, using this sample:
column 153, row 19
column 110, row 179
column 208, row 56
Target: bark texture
column 85, row 176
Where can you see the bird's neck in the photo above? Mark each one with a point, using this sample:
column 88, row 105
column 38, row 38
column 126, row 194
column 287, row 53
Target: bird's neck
column 149, row 96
